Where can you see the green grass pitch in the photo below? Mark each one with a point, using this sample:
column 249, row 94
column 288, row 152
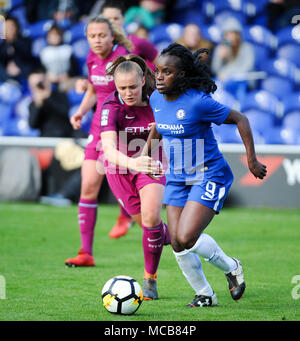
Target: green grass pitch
column 36, row 239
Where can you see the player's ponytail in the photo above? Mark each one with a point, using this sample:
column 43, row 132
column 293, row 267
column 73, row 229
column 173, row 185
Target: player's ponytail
column 196, row 72
column 130, row 63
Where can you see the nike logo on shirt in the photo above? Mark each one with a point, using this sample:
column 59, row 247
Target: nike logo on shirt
column 129, row 117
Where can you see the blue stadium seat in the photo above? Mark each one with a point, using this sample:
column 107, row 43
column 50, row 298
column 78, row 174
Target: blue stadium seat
column 291, row 103
column 19, row 12
column 260, row 35
column 6, row 111
column 262, row 100
column 272, row 135
column 261, row 53
column 10, row 93
column 74, row 97
column 16, row 3
column 226, row 133
column 80, row 48
column 212, row 33
column 165, row 32
column 288, row 35
column 75, row 32
column 188, row 16
column 226, row 98
column 222, row 16
column 290, row 136
column 37, row 45
column 292, row 120
column 260, row 120
column 38, row 29
column 281, row 67
column 290, row 52
column 278, row 86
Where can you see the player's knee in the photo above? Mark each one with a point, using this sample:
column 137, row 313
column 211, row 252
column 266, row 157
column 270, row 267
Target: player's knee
column 151, row 218
column 89, row 189
column 184, row 240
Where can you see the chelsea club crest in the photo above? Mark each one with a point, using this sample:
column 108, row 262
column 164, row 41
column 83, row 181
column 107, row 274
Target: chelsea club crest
column 180, row 114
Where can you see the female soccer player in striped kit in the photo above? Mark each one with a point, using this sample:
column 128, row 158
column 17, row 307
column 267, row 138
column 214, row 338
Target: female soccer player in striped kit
column 198, row 181
column 106, row 44
column 125, row 117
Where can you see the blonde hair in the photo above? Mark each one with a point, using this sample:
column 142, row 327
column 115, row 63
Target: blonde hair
column 130, row 63
column 117, row 32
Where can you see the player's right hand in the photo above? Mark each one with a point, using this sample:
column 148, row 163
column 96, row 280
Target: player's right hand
column 145, row 164
column 75, row 121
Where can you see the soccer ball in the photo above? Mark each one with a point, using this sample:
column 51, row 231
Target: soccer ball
column 122, row 295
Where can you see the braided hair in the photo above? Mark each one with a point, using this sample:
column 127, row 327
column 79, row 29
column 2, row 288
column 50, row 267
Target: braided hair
column 197, row 74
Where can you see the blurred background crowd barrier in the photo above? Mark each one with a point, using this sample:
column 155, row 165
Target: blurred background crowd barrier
column 255, row 49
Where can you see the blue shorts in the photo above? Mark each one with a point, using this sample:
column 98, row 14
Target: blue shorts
column 211, row 192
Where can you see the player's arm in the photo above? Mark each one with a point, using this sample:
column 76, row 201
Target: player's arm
column 87, row 103
column 143, row 164
column 256, row 168
column 153, row 140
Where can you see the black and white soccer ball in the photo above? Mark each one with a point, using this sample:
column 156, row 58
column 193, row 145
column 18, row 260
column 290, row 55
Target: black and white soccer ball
column 122, row 295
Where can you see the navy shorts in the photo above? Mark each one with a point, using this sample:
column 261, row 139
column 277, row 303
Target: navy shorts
column 211, row 192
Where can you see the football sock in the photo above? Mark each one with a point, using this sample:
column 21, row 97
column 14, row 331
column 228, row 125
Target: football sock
column 208, row 248
column 87, row 215
column 153, row 242
column 191, row 267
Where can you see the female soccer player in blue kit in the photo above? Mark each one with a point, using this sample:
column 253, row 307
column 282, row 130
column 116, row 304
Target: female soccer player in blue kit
column 198, row 177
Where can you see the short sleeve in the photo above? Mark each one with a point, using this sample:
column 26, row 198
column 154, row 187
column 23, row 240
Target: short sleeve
column 109, row 114
column 211, row 110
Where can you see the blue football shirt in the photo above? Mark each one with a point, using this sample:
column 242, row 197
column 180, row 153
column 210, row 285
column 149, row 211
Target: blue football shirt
column 188, row 140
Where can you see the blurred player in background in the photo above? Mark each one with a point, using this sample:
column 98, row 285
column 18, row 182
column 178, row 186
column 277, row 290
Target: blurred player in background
column 197, row 181
column 106, row 44
column 115, row 11
column 125, row 117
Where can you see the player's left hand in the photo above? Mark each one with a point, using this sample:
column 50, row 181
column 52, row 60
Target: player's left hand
column 258, row 169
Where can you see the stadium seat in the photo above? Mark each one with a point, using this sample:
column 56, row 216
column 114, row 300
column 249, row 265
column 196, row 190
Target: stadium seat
column 222, row 16
column 80, row 48
column 212, row 33
column 290, row 52
column 38, row 29
column 288, row 35
column 272, row 135
column 188, row 16
column 6, row 111
column 290, row 136
column 226, row 98
column 74, row 97
column 281, row 67
column 292, row 120
column 165, row 32
column 260, row 120
column 75, row 32
column 37, row 45
column 19, row 12
column 10, row 92
column 262, row 100
column 278, row 86
column 261, row 53
column 21, row 109
column 291, row 103
column 260, row 35
column 226, row 133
